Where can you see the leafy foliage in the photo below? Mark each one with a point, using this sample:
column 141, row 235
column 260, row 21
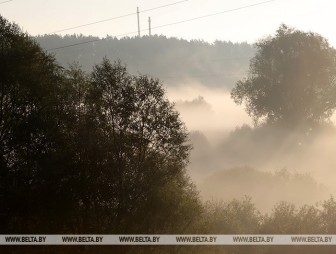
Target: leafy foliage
column 79, row 153
column 291, row 79
column 31, row 115
column 139, row 145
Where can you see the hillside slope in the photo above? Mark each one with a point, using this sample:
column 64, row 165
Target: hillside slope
column 175, row 61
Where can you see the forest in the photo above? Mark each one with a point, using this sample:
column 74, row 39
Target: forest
column 172, row 60
column 96, row 147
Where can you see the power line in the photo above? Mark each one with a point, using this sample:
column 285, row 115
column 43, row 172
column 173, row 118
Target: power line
column 76, row 44
column 170, row 24
column 214, row 14
column 6, row 1
column 118, row 17
column 93, row 23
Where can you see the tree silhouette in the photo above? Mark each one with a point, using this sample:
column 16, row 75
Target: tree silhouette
column 291, row 79
column 31, row 115
column 99, row 153
column 141, row 149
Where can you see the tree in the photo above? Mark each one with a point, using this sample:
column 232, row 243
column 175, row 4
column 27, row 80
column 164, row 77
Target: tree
column 139, row 151
column 291, row 81
column 79, row 153
column 32, row 113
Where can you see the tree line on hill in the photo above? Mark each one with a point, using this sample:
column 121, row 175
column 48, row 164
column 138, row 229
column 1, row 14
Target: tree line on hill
column 172, row 60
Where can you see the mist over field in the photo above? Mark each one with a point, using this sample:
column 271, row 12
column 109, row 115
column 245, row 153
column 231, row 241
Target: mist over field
column 230, row 156
column 208, row 110
column 122, row 142
column 230, row 161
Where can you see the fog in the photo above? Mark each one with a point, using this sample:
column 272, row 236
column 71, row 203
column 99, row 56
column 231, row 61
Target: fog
column 207, row 110
column 232, row 159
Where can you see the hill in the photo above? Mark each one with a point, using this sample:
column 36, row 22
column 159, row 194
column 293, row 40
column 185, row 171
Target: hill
column 175, row 61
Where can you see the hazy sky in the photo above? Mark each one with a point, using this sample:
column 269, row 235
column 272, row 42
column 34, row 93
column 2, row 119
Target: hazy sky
column 249, row 24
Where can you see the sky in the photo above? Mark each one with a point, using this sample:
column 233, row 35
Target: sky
column 238, row 25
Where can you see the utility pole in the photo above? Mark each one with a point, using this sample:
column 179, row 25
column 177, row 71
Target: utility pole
column 138, row 21
column 149, row 26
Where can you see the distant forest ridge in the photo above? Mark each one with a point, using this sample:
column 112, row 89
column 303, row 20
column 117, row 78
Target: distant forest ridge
column 174, row 61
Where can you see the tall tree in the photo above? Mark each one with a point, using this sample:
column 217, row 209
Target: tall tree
column 99, row 153
column 292, row 79
column 142, row 150
column 31, row 120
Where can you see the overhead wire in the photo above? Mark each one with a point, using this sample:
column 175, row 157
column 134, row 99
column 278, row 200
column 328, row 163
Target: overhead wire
column 118, row 17
column 213, row 14
column 169, row 24
column 6, row 1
